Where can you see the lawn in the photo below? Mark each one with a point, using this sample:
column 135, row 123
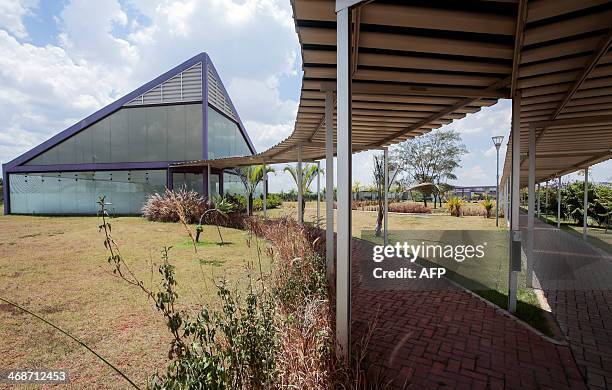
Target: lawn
column 56, row 267
column 488, row 279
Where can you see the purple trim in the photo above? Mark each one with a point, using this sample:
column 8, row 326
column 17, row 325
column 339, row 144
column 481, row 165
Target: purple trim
column 116, row 105
column 205, row 108
column 5, row 191
column 240, row 125
column 91, row 167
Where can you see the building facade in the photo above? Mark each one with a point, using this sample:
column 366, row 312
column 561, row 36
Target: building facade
column 126, row 150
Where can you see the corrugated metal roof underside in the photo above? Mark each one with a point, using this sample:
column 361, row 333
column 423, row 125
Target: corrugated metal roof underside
column 420, row 65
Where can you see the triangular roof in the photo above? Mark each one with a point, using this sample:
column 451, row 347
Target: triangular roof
column 202, row 58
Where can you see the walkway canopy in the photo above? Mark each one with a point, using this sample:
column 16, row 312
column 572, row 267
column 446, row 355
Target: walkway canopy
column 378, row 72
column 419, row 65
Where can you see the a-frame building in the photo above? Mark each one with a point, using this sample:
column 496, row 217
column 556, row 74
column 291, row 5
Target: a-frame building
column 126, row 150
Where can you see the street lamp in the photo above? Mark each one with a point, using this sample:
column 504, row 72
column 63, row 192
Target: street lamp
column 497, row 141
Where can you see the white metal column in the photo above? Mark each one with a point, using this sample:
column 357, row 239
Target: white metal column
column 585, row 215
column 546, row 201
column 559, row 204
column 515, row 231
column 531, row 205
column 265, row 191
column 208, row 192
column 318, row 192
column 299, row 185
column 329, row 184
column 386, row 193
column 344, row 152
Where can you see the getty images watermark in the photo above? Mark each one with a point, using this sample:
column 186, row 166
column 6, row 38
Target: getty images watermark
column 411, row 252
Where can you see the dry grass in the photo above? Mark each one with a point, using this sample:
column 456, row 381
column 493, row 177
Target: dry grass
column 366, row 220
column 57, row 268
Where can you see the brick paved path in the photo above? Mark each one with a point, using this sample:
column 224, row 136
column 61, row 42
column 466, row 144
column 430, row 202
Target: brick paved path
column 577, row 281
column 446, row 338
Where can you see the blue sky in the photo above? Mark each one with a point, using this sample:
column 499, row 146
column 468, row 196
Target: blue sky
column 62, row 60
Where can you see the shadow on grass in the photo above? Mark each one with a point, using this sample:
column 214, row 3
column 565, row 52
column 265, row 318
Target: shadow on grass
column 202, row 244
column 570, row 227
column 527, row 308
column 214, row 263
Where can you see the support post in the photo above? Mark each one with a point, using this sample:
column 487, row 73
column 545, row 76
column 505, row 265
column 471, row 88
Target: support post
column 208, row 192
column 585, row 215
column 546, row 202
column 538, row 200
column 343, row 275
column 318, row 192
column 497, row 188
column 300, row 207
column 531, row 205
column 515, row 231
column 329, row 185
column 265, row 191
column 559, row 204
column 386, row 194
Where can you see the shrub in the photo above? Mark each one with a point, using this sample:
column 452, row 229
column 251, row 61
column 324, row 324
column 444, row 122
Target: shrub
column 273, row 201
column 404, row 207
column 454, row 205
column 488, row 205
column 164, row 207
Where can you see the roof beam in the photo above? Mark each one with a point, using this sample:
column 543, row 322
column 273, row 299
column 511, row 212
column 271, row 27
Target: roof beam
column 590, row 65
column 519, row 36
column 600, row 119
column 447, row 111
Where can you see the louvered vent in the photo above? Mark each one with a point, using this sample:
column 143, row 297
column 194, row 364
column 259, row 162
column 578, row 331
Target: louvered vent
column 216, row 97
column 184, row 87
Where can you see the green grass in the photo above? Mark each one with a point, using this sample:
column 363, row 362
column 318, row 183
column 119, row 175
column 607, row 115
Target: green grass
column 56, row 266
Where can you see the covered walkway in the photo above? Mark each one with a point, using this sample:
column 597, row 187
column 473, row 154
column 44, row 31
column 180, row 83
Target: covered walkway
column 576, row 278
column 440, row 336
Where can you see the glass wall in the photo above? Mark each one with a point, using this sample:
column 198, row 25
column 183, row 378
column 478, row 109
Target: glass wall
column 192, row 181
column 78, row 192
column 224, row 137
column 232, row 185
column 135, row 134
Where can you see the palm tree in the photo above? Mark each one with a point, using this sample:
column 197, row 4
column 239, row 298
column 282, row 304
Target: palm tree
column 251, row 176
column 309, row 173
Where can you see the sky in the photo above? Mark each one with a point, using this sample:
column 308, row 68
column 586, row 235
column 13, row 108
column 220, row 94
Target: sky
column 61, row 60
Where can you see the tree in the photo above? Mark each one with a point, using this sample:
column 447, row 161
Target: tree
column 378, row 173
column 355, row 189
column 603, row 205
column 309, row 173
column 251, row 176
column 432, row 157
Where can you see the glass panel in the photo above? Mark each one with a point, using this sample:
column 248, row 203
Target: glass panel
column 214, row 184
column 232, row 185
column 78, row 192
column 157, row 134
column 192, row 181
column 120, row 147
column 224, row 137
column 83, row 147
column 176, row 133
column 101, row 141
column 193, row 119
column 136, row 134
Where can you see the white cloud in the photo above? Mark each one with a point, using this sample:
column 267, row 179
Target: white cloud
column 107, row 49
column 12, row 13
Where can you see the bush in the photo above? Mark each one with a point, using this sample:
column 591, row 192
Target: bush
column 165, row 208
column 404, row 207
column 273, row 201
column 455, row 206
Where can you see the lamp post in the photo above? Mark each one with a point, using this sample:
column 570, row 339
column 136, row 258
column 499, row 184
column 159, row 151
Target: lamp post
column 497, row 141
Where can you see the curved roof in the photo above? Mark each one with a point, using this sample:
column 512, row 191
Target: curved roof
column 419, row 65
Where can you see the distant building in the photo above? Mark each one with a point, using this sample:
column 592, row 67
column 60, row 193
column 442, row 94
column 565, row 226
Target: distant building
column 469, row 192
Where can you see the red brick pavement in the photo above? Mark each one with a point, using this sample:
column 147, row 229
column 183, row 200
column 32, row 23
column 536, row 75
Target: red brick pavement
column 448, row 338
column 585, row 317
